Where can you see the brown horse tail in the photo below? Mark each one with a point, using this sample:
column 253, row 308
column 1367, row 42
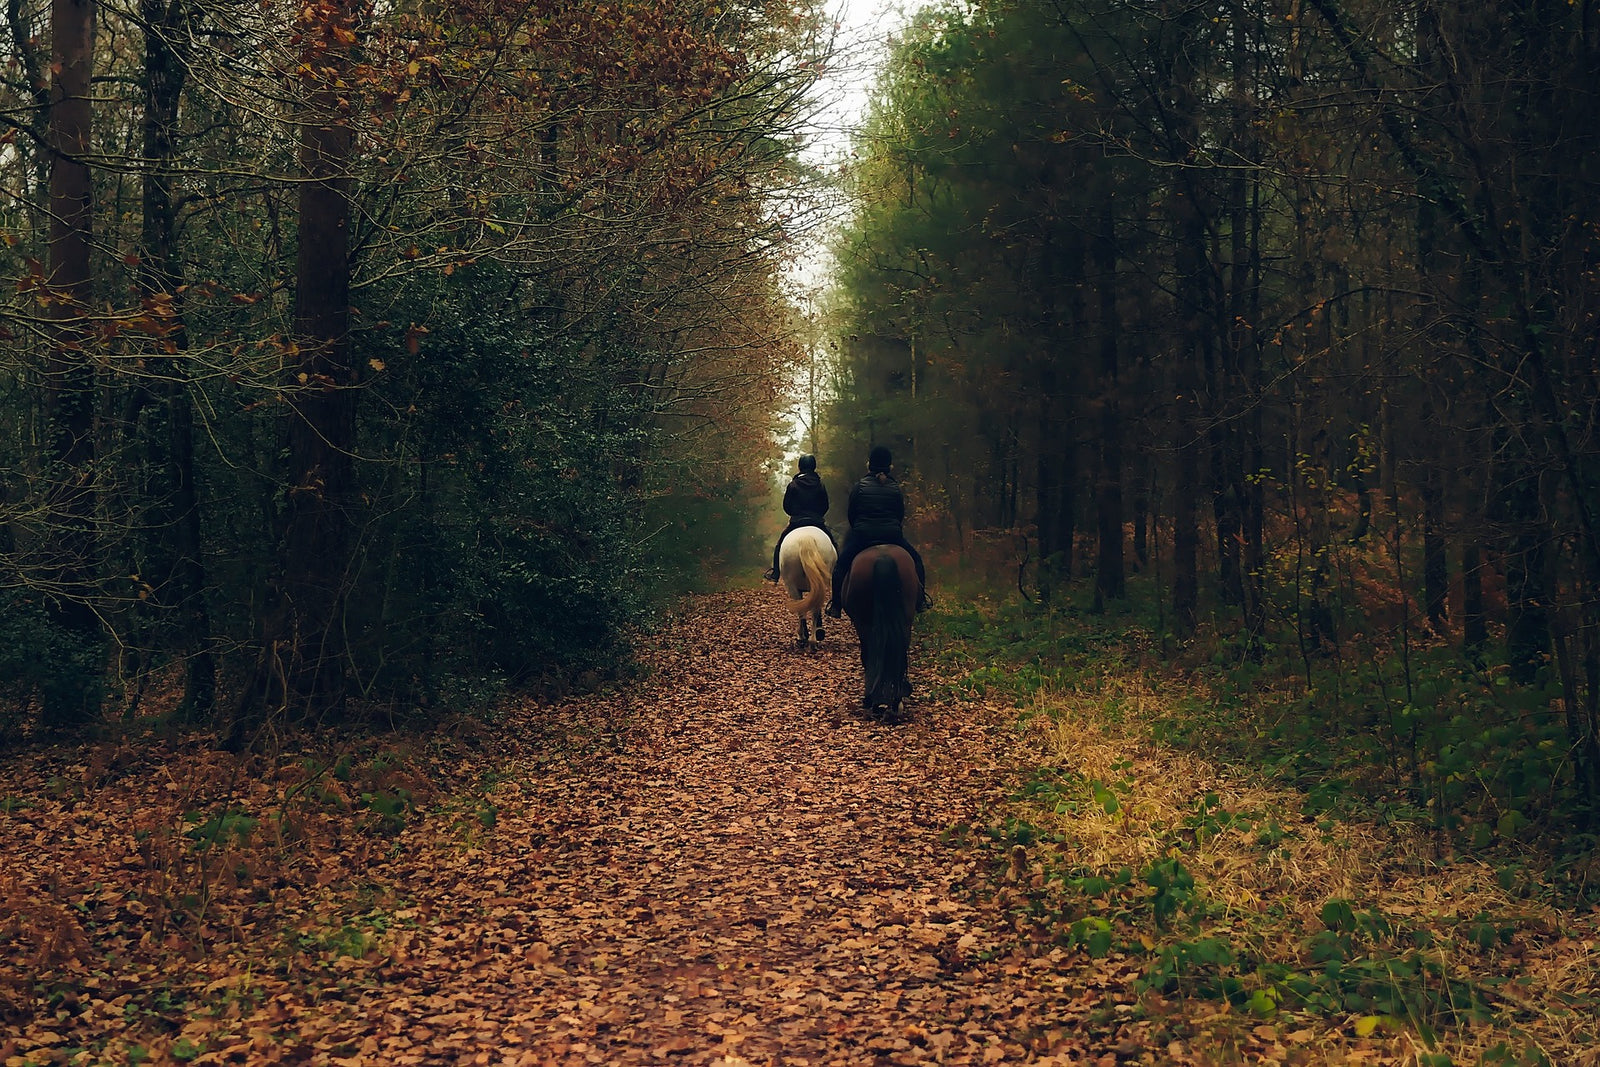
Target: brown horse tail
column 819, row 579
column 885, row 644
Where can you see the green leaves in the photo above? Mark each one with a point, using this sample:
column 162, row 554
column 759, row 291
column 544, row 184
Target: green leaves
column 1105, row 798
column 1337, row 915
column 1509, row 823
column 1263, row 1002
column 1093, row 934
column 229, row 826
column 1172, row 888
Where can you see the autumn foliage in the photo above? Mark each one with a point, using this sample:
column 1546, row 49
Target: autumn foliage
column 405, row 323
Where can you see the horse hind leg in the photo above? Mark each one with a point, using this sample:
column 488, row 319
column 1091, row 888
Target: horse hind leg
column 816, row 632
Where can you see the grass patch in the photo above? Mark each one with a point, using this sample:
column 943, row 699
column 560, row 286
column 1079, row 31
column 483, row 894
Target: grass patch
column 1197, row 827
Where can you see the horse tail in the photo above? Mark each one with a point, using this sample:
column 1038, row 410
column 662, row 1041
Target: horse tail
column 819, row 579
column 889, row 638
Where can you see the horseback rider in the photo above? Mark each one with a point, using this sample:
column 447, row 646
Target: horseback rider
column 805, row 501
column 877, row 514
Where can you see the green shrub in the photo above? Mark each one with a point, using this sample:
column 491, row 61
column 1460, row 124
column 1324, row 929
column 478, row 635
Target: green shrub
column 49, row 676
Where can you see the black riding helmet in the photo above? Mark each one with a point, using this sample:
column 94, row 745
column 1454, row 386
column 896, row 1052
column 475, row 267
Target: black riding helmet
column 808, row 464
column 879, row 460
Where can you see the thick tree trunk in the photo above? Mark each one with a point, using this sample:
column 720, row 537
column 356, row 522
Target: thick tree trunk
column 1063, row 398
column 302, row 671
column 69, row 404
column 71, row 398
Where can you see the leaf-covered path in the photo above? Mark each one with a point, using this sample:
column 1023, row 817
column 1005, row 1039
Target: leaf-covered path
column 723, row 863
column 754, row 872
column 727, row 863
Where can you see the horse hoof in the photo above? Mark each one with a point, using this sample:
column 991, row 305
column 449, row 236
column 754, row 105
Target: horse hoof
column 820, row 635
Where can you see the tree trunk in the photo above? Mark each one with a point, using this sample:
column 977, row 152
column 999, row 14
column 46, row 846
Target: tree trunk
column 1109, row 575
column 302, row 666
column 159, row 281
column 1225, row 507
column 69, row 402
column 1244, row 343
column 1066, row 522
column 1435, row 563
column 1528, row 621
column 1435, row 272
column 1185, row 528
column 1046, row 491
column 1063, row 400
column 1143, row 481
column 1194, row 324
column 1474, row 623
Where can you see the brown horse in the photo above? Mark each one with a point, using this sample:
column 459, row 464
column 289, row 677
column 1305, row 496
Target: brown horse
column 880, row 596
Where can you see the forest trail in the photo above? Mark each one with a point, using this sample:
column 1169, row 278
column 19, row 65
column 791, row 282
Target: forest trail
column 756, row 873
column 725, row 863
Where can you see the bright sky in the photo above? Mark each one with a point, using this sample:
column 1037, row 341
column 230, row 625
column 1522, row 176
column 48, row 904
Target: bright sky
column 863, row 28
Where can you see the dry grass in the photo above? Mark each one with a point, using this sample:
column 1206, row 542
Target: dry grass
column 1267, row 901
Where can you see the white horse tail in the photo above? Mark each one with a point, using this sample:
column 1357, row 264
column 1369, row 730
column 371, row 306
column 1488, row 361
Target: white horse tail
column 819, row 579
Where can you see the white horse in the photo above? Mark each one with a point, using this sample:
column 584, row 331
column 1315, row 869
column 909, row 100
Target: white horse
column 805, row 564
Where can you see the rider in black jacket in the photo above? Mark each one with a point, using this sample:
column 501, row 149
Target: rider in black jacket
column 877, row 517
column 805, row 501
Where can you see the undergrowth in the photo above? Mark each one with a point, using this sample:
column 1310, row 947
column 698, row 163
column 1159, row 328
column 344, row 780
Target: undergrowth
column 1370, row 856
column 1438, row 742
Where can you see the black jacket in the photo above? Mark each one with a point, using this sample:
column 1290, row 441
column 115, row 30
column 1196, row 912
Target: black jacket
column 877, row 509
column 806, row 497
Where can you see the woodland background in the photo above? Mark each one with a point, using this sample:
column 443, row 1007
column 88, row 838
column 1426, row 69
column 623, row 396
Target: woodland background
column 1271, row 326
column 374, row 362
column 379, row 358
column 375, row 380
